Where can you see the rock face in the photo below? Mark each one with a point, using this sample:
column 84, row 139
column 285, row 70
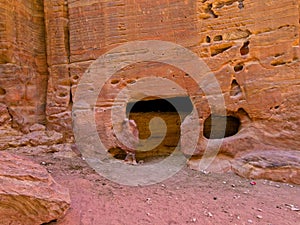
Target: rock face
column 253, row 54
column 23, row 67
column 29, row 195
column 273, row 165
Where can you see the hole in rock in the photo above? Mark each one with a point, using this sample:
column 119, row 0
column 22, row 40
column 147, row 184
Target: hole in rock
column 245, row 48
column 131, row 81
column 238, row 67
column 217, row 127
column 207, row 39
column 215, row 50
column 235, row 89
column 278, row 54
column 278, row 63
column 52, row 222
column 243, row 116
column 241, row 4
column 210, row 11
column 2, row 91
column 171, row 110
column 62, row 95
column 218, row 38
column 76, row 77
column 114, row 81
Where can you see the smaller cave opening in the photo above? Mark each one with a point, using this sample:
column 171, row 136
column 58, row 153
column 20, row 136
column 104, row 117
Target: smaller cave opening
column 278, row 55
column 218, row 38
column 131, row 81
column 2, row 91
column 278, row 63
column 117, row 153
column 238, row 67
column 218, row 127
column 275, row 107
column 62, row 95
column 215, row 50
column 75, row 77
column 245, row 48
column 207, row 39
column 241, row 4
column 114, row 81
column 235, row 89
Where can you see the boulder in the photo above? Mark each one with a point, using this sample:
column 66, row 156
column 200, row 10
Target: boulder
column 28, row 193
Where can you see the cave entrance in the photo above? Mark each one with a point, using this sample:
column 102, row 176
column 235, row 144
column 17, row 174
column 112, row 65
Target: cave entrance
column 171, row 110
column 216, row 130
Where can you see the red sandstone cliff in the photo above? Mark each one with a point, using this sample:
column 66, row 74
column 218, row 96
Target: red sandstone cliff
column 252, row 46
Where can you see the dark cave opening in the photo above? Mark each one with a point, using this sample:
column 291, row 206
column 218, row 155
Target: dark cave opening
column 217, row 127
column 171, row 110
column 176, row 104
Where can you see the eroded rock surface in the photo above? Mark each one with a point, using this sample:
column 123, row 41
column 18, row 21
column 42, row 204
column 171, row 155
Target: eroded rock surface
column 28, row 194
column 251, row 46
column 38, row 135
column 277, row 165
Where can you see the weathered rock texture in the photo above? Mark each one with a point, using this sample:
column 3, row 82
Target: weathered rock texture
column 251, row 46
column 23, row 67
column 273, row 165
column 28, row 194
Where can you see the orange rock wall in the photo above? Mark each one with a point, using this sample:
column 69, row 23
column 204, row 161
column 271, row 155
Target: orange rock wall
column 217, row 31
column 253, row 43
column 23, row 67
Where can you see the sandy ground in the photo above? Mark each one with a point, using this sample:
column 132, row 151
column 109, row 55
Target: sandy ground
column 189, row 197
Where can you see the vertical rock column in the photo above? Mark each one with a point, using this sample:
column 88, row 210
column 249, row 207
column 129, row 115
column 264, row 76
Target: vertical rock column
column 59, row 99
column 23, row 67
